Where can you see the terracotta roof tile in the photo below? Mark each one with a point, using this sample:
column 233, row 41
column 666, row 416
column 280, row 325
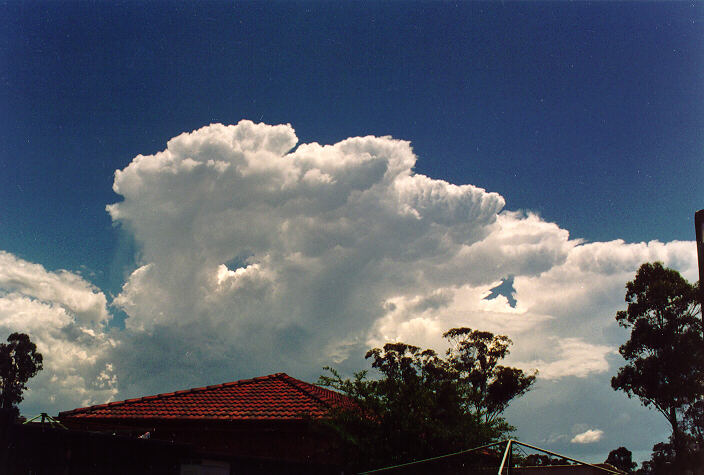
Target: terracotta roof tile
column 274, row 397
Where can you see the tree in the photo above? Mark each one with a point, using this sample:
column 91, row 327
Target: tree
column 693, row 421
column 665, row 352
column 19, row 361
column 621, row 458
column 540, row 460
column 424, row 405
column 486, row 386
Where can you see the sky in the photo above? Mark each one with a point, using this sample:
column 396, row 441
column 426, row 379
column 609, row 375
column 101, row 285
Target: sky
column 197, row 193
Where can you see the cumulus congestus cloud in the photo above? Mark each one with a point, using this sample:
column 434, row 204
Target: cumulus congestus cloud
column 260, row 255
column 288, row 256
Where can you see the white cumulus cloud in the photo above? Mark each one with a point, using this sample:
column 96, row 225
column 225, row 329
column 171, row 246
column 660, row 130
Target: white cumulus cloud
column 63, row 288
column 588, row 437
column 65, row 316
column 282, row 254
column 259, row 255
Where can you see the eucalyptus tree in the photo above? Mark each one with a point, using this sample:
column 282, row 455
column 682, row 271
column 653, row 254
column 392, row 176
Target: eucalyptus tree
column 19, row 361
column 665, row 352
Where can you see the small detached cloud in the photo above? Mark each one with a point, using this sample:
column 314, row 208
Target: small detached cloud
column 588, row 437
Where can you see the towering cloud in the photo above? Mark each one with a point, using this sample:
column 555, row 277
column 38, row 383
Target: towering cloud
column 288, row 256
column 258, row 255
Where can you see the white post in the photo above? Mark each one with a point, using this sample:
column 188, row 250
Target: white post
column 506, row 452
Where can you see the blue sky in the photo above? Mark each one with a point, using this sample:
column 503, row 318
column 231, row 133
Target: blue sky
column 588, row 115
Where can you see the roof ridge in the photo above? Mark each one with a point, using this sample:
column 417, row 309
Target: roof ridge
column 276, row 396
column 161, row 396
column 291, row 381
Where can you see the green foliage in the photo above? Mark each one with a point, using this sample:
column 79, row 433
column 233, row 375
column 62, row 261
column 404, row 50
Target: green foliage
column 693, row 421
column 665, row 358
column 688, row 459
column 19, row 361
column 423, row 405
column 621, row 458
column 486, row 386
column 540, row 460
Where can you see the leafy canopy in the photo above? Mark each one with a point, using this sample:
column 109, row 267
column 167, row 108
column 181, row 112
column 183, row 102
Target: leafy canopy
column 486, row 386
column 665, row 353
column 423, row 405
column 622, row 458
column 19, row 361
column 665, row 360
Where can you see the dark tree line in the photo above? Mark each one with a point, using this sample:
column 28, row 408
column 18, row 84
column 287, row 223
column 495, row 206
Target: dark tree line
column 423, row 404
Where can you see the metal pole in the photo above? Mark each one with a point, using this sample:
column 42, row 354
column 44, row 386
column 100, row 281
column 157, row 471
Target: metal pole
column 431, row 458
column 699, row 229
column 510, row 460
column 566, row 458
column 506, row 452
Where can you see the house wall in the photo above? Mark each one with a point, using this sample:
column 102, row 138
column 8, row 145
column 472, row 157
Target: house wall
column 296, row 442
column 40, row 449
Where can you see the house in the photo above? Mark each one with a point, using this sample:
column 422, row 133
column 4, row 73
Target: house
column 262, row 424
column 258, row 425
column 40, row 448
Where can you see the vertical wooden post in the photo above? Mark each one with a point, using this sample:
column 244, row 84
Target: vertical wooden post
column 699, row 229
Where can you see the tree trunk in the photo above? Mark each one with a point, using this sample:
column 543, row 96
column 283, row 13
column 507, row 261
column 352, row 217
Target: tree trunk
column 675, row 432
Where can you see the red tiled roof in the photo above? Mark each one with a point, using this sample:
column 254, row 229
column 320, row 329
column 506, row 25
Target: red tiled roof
column 274, row 397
